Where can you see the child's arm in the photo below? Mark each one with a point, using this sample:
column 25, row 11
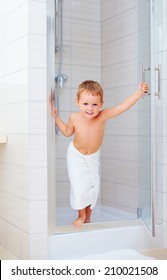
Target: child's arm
column 66, row 129
column 127, row 103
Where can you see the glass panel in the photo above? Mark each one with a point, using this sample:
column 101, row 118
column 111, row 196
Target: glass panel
column 150, row 113
column 159, row 24
column 50, row 123
column 144, row 128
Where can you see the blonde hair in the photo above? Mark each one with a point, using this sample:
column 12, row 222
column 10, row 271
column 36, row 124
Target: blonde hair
column 91, row 87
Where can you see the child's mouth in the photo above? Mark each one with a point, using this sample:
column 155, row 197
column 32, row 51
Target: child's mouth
column 89, row 113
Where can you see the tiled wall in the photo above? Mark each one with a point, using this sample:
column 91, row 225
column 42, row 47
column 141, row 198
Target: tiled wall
column 96, row 40
column 81, row 61
column 23, row 175
column 119, row 54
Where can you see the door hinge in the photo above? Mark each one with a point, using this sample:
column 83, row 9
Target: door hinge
column 139, row 213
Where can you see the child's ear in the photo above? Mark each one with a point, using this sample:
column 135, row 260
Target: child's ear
column 101, row 105
column 77, row 101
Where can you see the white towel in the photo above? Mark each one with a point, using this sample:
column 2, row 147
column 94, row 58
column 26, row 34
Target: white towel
column 83, row 171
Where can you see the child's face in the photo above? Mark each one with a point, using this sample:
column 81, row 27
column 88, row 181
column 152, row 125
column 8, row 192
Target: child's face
column 89, row 104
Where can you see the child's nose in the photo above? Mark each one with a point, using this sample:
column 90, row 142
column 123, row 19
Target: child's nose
column 90, row 107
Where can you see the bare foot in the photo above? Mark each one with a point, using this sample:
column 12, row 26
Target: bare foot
column 88, row 214
column 79, row 222
column 87, row 221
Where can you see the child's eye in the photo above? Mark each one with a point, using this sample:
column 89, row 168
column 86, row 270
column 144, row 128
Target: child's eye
column 95, row 104
column 85, row 104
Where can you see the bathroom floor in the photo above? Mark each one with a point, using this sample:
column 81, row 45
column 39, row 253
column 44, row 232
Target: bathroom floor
column 6, row 255
column 158, row 254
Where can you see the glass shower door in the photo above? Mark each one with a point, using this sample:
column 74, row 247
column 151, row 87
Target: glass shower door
column 144, row 125
column 146, row 111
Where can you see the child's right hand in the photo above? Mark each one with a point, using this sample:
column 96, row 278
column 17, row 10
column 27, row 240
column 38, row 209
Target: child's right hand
column 53, row 110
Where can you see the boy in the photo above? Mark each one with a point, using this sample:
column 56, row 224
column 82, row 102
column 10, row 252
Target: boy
column 88, row 125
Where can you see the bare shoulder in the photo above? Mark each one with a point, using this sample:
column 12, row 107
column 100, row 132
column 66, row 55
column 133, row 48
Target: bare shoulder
column 74, row 117
column 105, row 114
column 110, row 113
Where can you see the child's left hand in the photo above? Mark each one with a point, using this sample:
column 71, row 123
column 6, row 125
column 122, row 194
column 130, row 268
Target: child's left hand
column 144, row 88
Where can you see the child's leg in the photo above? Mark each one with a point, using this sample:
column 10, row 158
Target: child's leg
column 81, row 218
column 88, row 214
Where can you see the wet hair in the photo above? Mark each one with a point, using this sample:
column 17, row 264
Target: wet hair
column 91, row 87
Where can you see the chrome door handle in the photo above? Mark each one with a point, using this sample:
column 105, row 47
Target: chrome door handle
column 158, row 81
column 145, row 69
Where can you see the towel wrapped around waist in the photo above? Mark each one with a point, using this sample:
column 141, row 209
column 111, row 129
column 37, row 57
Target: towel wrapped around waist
column 83, row 171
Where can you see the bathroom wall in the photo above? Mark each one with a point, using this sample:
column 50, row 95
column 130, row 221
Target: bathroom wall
column 96, row 36
column 119, row 64
column 23, row 165
column 81, row 61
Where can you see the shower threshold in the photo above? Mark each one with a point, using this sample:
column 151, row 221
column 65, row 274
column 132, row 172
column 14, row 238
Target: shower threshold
column 102, row 238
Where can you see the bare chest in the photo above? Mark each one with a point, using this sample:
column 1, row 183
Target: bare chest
column 89, row 130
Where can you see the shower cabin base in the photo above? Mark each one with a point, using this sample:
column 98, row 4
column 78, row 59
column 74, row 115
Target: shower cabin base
column 66, row 215
column 119, row 235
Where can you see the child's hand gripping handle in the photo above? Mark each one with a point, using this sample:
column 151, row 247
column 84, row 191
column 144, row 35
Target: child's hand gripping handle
column 144, row 88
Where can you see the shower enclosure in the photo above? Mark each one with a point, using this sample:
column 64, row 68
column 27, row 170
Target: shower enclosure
column 117, row 46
